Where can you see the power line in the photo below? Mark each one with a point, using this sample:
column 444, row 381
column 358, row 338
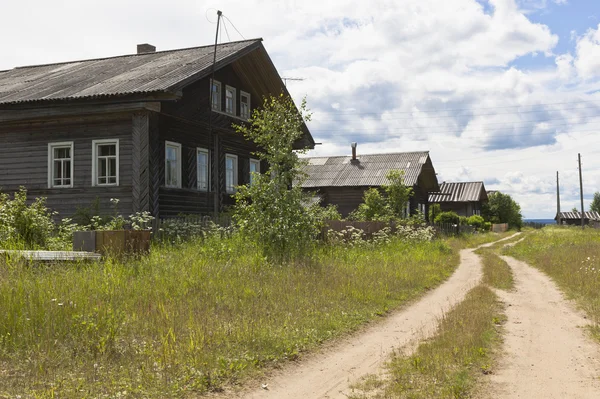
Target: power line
column 455, row 116
column 468, row 109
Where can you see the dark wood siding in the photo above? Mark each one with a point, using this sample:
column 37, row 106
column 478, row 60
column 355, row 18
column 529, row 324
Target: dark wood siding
column 24, row 161
column 187, row 122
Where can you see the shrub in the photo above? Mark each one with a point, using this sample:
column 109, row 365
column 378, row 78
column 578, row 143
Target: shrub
column 476, row 221
column 375, row 207
column 447, row 217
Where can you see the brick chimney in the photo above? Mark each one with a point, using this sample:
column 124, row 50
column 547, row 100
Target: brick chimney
column 145, row 48
column 354, row 159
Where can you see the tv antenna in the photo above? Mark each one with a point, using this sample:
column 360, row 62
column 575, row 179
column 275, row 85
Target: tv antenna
column 292, row 79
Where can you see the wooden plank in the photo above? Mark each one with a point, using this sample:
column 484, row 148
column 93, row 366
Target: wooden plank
column 140, row 182
column 52, row 256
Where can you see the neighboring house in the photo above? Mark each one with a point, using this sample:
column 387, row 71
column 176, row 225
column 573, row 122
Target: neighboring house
column 141, row 128
column 342, row 180
column 466, row 198
column 574, row 218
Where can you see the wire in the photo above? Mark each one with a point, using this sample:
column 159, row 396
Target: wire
column 227, row 32
column 234, row 27
column 427, row 129
column 470, row 109
column 471, row 115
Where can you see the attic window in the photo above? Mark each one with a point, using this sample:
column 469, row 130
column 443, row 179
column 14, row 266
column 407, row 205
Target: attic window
column 244, row 105
column 230, row 100
column 215, row 93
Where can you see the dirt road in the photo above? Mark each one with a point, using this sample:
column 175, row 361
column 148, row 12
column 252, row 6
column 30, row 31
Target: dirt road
column 547, row 352
column 330, row 374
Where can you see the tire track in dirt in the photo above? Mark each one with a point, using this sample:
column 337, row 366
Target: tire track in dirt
column 547, row 352
column 330, row 374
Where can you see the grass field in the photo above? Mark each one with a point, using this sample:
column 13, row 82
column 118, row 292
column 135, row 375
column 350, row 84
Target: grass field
column 193, row 318
column 571, row 257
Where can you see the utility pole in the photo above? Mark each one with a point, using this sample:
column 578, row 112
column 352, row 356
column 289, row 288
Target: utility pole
column 215, row 155
column 581, row 192
column 557, row 200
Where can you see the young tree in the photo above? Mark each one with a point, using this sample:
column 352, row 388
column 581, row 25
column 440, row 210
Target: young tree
column 271, row 211
column 397, row 192
column 595, row 205
column 392, row 205
column 501, row 208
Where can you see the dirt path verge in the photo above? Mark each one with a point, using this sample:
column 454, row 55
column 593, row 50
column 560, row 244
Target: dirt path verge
column 330, row 373
column 547, row 352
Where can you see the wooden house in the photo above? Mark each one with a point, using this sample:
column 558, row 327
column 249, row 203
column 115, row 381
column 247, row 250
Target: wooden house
column 141, row 128
column 574, row 218
column 464, row 198
column 342, row 180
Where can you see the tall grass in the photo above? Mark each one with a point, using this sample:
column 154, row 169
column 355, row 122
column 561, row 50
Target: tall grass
column 448, row 364
column 571, row 257
column 195, row 317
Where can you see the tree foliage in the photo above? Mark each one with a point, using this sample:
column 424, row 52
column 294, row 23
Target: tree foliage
column 447, row 217
column 379, row 207
column 271, row 211
column 595, row 205
column 501, row 208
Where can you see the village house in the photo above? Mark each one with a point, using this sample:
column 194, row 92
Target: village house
column 574, row 218
column 342, row 180
column 464, row 198
column 141, row 128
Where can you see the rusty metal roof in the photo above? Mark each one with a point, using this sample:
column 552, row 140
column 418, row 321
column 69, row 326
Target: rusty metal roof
column 369, row 170
column 577, row 215
column 162, row 71
column 460, row 192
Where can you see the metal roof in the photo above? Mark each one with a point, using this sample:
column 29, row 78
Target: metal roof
column 577, row 215
column 459, row 192
column 369, row 170
column 161, row 71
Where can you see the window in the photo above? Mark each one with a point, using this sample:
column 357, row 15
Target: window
column 202, row 164
column 230, row 100
column 172, row 164
column 215, row 94
column 231, row 172
column 244, row 105
column 254, row 168
column 105, row 163
column 60, row 165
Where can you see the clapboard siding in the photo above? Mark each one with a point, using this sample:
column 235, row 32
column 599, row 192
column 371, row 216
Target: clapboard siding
column 24, row 161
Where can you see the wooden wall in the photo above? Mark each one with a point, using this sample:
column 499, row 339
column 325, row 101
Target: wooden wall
column 24, row 161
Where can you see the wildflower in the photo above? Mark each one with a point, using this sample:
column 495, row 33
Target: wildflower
column 60, row 304
column 53, row 299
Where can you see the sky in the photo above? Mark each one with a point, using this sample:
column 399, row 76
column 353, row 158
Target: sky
column 501, row 91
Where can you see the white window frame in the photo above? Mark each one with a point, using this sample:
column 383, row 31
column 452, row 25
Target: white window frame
column 257, row 163
column 177, row 147
column 207, row 152
column 242, row 94
column 231, row 188
column 219, row 95
column 233, row 90
column 51, row 147
column 95, row 144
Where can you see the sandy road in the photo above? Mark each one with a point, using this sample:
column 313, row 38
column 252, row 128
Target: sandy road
column 547, row 352
column 330, row 374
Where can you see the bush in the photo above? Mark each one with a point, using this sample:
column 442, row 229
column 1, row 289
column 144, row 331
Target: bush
column 476, row 221
column 447, row 217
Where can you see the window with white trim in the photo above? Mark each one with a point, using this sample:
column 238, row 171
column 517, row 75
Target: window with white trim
column 203, row 168
column 60, row 165
column 231, row 174
column 172, row 164
column 254, row 168
column 244, row 105
column 105, row 162
column 230, row 100
column 215, row 95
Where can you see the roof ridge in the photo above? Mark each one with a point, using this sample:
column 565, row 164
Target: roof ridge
column 380, row 153
column 132, row 55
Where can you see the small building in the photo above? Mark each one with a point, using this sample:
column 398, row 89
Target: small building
column 574, row 218
column 343, row 180
column 153, row 129
column 464, row 198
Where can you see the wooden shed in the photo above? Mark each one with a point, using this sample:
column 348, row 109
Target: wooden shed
column 464, row 198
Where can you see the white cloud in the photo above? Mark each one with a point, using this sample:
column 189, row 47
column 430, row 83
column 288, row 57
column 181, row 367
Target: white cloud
column 587, row 61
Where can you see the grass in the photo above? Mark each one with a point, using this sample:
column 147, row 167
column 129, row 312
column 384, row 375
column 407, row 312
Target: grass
column 193, row 318
column 449, row 364
column 475, row 240
column 496, row 272
column 571, row 257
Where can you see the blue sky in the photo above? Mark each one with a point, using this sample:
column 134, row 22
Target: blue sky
column 501, row 91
